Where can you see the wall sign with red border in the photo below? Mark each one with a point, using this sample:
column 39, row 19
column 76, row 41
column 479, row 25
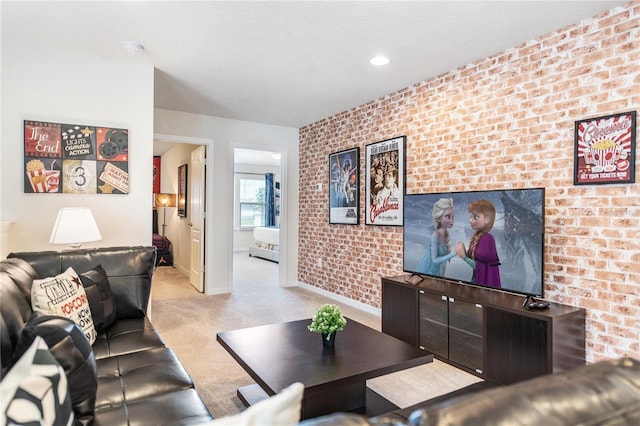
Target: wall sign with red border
column 605, row 149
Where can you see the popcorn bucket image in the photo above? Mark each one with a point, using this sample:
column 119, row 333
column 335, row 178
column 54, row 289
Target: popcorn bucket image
column 36, row 176
column 605, row 153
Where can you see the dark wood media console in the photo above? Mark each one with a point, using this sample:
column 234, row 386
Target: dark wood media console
column 484, row 331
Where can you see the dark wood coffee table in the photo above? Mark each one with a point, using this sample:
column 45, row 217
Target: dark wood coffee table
column 278, row 355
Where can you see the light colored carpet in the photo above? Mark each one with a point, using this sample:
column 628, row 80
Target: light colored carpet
column 188, row 322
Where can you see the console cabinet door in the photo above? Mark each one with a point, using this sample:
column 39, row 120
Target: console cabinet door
column 434, row 335
column 400, row 312
column 517, row 347
column 465, row 334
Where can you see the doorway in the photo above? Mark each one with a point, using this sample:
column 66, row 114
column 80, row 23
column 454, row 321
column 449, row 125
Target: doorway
column 176, row 152
column 250, row 165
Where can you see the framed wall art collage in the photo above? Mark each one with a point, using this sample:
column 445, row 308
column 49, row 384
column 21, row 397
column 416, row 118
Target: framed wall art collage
column 384, row 187
column 75, row 159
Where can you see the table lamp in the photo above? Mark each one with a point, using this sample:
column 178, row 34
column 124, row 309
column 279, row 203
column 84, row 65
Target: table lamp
column 164, row 200
column 74, row 226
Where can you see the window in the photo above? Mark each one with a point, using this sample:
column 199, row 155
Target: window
column 251, row 196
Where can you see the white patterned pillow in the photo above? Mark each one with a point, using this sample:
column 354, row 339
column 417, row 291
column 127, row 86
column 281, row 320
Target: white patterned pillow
column 282, row 409
column 64, row 295
column 35, row 390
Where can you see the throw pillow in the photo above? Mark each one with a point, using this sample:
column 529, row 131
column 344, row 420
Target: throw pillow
column 64, row 295
column 282, row 409
column 101, row 301
column 69, row 346
column 34, row 391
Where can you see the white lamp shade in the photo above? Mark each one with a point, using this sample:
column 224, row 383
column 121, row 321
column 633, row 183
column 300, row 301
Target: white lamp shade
column 74, row 225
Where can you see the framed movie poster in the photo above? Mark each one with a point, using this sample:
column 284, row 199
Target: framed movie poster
column 75, row 159
column 182, row 190
column 384, row 192
column 344, row 187
column 605, row 149
column 157, row 163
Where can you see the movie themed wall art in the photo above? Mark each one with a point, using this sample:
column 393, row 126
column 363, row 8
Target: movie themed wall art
column 605, row 149
column 344, row 187
column 385, row 182
column 75, row 159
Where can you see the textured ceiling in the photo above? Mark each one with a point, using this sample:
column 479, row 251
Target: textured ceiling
column 288, row 63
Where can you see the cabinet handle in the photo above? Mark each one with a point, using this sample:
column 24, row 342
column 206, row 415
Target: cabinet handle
column 478, row 305
column 421, row 291
column 451, row 299
column 444, row 298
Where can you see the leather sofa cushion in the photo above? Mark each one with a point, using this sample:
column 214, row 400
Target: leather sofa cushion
column 15, row 305
column 184, row 407
column 103, row 307
column 139, row 376
column 127, row 336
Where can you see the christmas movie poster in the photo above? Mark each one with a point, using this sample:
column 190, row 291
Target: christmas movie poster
column 75, row 159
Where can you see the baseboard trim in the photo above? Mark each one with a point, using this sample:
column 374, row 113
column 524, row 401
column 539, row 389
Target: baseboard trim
column 341, row 299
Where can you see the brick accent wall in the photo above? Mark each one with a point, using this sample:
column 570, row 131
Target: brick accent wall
column 506, row 121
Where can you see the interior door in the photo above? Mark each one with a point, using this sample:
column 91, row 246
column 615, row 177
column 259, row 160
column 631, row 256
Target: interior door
column 197, row 224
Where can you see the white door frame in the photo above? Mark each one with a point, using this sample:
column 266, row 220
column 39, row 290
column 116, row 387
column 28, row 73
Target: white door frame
column 282, row 235
column 208, row 184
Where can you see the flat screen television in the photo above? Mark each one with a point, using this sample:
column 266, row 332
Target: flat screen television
column 517, row 234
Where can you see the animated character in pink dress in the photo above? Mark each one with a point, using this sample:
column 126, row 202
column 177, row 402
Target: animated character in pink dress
column 482, row 255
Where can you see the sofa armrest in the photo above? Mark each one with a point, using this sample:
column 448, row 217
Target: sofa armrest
column 607, row 392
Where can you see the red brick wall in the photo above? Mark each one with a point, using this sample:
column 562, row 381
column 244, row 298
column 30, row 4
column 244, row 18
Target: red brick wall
column 502, row 122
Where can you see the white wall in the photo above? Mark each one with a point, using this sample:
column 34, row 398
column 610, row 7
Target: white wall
column 63, row 86
column 67, row 87
column 226, row 135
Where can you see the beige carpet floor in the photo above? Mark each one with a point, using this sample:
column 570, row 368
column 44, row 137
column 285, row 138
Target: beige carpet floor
column 188, row 322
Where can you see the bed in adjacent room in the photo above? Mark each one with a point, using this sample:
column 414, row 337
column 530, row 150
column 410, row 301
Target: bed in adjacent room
column 266, row 243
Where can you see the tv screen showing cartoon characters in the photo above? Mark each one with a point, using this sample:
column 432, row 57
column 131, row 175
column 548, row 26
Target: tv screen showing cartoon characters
column 488, row 238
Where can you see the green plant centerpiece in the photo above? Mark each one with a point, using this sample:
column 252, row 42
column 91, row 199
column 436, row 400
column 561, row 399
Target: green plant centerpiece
column 327, row 320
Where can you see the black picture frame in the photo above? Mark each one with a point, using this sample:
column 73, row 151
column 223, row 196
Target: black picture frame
column 604, row 149
column 384, row 199
column 182, row 191
column 344, row 187
column 74, row 158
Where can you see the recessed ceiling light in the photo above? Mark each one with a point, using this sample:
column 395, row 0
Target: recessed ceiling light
column 379, row 60
column 133, row 47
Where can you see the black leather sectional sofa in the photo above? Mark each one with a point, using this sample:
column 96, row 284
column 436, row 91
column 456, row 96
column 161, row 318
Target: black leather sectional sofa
column 139, row 380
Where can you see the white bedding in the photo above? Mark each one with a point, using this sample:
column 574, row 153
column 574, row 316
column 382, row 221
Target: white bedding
column 268, row 235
